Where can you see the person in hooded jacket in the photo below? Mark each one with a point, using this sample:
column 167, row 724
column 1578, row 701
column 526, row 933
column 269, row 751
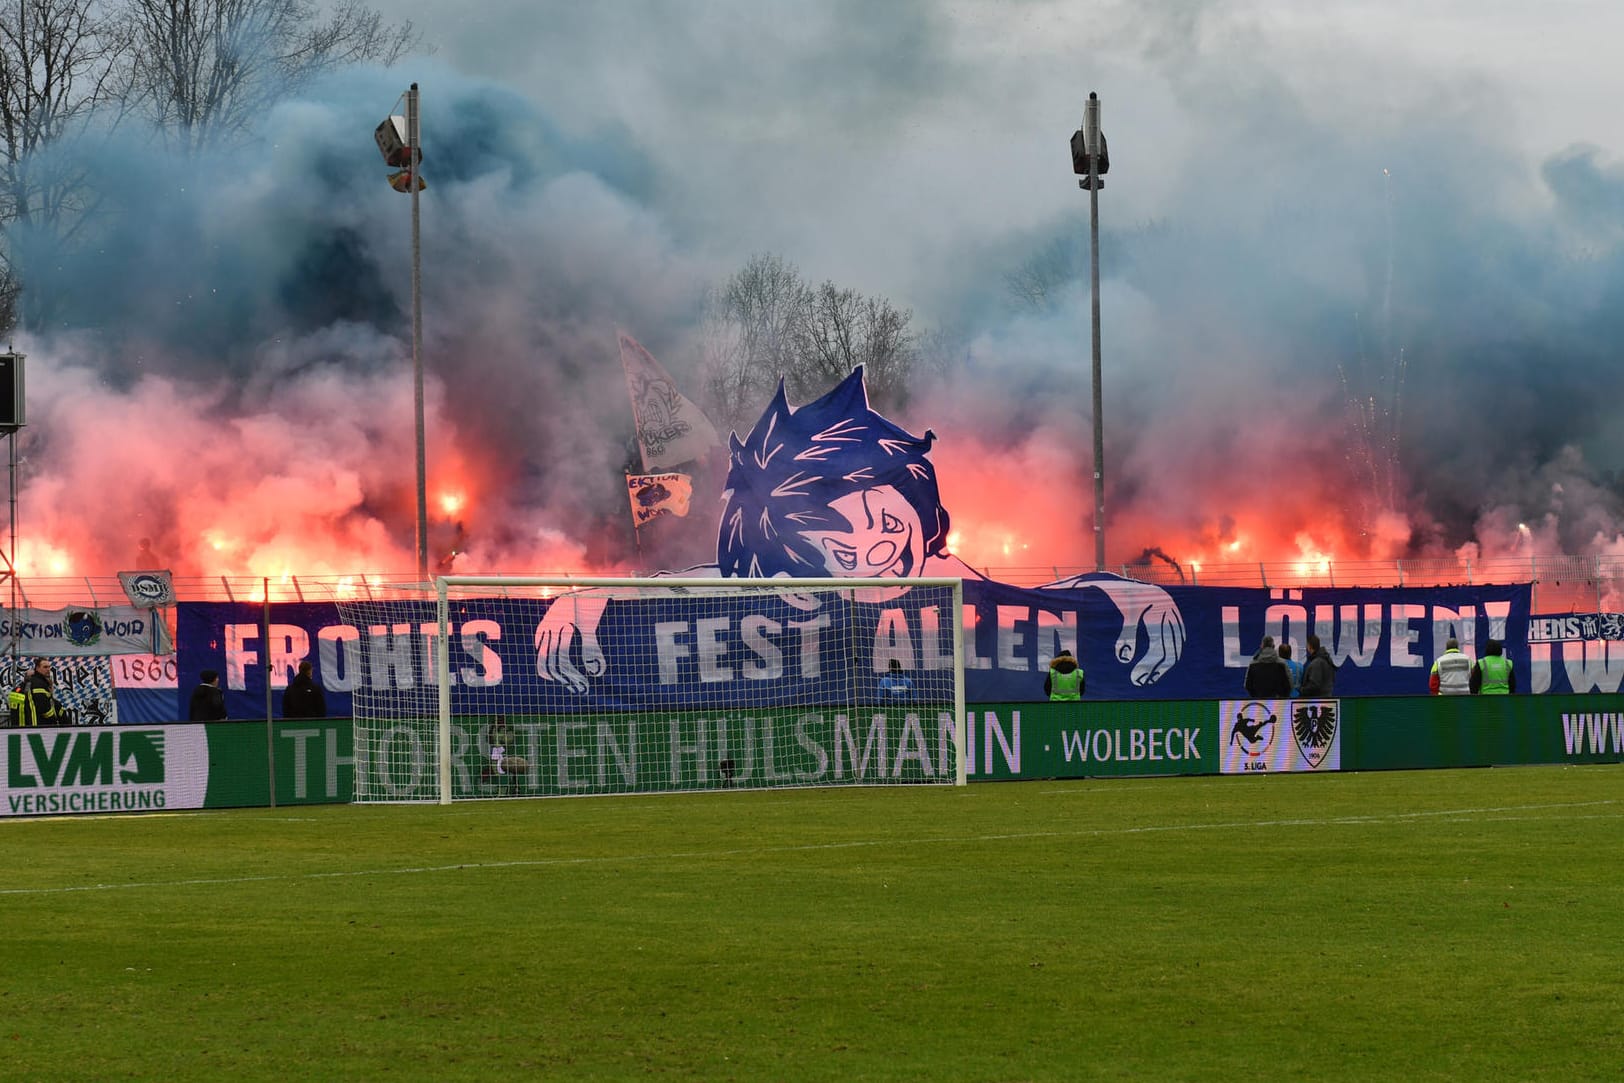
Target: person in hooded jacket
column 1294, row 667
column 1064, row 681
column 1267, row 677
column 208, row 702
column 303, row 697
column 1319, row 672
column 1493, row 675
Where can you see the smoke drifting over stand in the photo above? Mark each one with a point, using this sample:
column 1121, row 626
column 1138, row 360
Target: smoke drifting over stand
column 223, row 366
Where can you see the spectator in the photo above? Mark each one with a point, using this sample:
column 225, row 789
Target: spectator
column 39, row 706
column 1295, row 667
column 145, row 558
column 1452, row 672
column 1064, row 681
column 1268, row 677
column 896, row 686
column 303, row 697
column 1493, row 675
column 208, row 701
column 1319, row 672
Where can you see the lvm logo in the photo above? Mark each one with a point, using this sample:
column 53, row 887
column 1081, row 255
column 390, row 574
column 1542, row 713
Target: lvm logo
column 84, row 771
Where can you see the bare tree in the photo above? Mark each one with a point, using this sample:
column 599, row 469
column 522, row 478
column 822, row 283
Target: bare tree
column 766, row 323
column 203, row 69
column 1040, row 281
column 10, row 289
column 56, row 68
column 841, row 329
column 751, row 325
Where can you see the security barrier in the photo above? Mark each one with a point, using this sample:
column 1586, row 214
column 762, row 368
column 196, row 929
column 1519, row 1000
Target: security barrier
column 183, row 766
column 232, row 764
column 1206, row 737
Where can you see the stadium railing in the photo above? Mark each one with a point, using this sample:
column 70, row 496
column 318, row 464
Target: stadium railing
column 1562, row 583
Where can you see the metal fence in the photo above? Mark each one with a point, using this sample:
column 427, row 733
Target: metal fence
column 1562, row 584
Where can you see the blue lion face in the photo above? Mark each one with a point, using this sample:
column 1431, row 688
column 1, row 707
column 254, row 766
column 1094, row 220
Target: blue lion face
column 84, row 627
column 650, row 495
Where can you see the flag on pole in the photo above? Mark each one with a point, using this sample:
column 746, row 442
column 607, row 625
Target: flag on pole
column 654, row 495
column 670, row 429
column 148, row 589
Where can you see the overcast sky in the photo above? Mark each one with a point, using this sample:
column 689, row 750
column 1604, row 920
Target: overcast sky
column 868, row 141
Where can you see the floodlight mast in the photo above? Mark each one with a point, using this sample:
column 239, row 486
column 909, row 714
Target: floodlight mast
column 415, row 145
column 1091, row 124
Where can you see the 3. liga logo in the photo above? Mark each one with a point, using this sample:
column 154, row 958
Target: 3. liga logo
column 1253, row 729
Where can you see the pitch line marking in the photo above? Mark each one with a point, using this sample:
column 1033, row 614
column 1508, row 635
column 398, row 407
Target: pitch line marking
column 1398, row 817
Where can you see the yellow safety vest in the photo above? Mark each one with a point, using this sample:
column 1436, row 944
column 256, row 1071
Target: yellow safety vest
column 1496, row 671
column 1065, row 686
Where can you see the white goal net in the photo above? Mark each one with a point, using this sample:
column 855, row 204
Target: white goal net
column 542, row 687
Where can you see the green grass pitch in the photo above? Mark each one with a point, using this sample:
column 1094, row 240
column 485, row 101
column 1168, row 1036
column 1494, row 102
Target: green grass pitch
column 1406, row 925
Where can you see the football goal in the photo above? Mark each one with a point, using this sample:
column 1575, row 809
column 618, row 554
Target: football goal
column 542, row 687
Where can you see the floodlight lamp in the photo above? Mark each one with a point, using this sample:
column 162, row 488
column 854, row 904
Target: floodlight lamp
column 391, row 138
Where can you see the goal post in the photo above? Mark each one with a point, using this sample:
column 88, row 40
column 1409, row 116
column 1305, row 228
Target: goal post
column 553, row 685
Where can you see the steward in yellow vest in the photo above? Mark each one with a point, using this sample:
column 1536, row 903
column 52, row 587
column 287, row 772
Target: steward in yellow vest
column 1493, row 674
column 1064, row 681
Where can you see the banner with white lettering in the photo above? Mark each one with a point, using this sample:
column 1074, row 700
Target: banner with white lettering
column 1142, row 641
column 84, row 632
column 1135, row 641
column 1574, row 652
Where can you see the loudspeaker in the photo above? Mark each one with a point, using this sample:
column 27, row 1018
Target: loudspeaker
column 11, row 391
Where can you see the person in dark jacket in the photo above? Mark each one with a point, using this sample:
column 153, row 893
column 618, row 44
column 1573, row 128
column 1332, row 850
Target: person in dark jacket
column 39, row 706
column 208, row 701
column 1319, row 672
column 1064, row 681
column 1267, row 677
column 303, row 697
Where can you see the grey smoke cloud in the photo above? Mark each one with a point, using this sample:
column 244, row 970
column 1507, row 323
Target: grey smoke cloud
column 1292, row 199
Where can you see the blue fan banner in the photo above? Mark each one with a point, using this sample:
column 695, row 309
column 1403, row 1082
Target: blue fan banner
column 1134, row 640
